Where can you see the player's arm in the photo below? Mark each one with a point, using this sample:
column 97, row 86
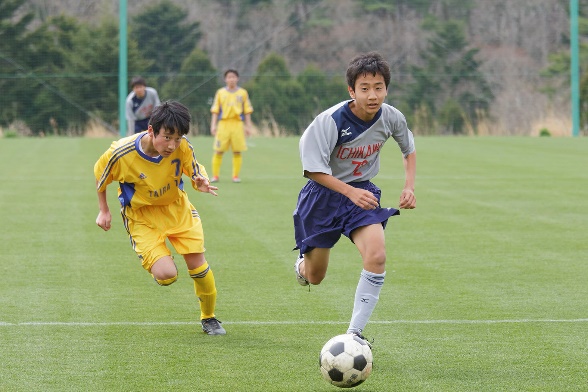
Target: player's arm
column 203, row 185
column 103, row 178
column 215, row 110
column 104, row 217
column 248, row 124
column 199, row 178
column 247, row 109
column 360, row 197
column 213, row 122
column 157, row 100
column 316, row 145
column 407, row 197
column 195, row 170
column 130, row 115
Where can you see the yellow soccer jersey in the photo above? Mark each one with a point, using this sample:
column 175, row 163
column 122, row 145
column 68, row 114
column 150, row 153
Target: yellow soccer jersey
column 231, row 105
column 145, row 180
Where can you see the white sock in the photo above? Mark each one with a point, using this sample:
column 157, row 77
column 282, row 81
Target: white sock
column 366, row 298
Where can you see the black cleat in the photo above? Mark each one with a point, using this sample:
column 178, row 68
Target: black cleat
column 211, row 326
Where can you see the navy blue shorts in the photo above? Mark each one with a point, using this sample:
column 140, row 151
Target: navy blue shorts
column 322, row 215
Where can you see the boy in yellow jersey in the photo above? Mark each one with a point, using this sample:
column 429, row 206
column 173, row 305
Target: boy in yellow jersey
column 154, row 206
column 231, row 120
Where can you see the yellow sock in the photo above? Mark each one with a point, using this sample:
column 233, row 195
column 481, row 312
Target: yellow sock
column 205, row 289
column 217, row 160
column 237, row 162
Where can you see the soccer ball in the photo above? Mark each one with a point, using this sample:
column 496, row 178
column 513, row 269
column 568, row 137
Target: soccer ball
column 346, row 361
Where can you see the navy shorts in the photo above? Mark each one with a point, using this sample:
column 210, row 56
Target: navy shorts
column 322, row 215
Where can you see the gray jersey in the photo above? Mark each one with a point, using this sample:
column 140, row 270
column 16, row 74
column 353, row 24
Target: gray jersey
column 137, row 109
column 339, row 143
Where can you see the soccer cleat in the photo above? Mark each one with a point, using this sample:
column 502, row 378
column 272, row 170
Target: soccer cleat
column 301, row 279
column 214, row 179
column 359, row 335
column 211, row 326
column 236, row 179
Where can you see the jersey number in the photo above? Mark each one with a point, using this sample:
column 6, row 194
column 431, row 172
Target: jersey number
column 358, row 165
column 177, row 163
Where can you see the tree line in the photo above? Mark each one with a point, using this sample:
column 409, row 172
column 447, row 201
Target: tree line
column 57, row 73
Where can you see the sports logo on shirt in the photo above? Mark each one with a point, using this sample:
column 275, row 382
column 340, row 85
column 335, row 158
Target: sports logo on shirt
column 345, row 132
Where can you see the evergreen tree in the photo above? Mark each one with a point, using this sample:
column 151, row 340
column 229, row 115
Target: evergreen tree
column 19, row 58
column 88, row 78
column 165, row 38
column 557, row 73
column 449, row 85
column 194, row 86
column 277, row 97
column 321, row 92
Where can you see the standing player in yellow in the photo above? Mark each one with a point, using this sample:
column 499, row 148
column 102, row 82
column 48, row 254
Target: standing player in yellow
column 231, row 120
column 154, row 206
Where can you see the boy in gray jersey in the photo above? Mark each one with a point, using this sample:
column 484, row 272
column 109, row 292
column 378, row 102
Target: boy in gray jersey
column 140, row 104
column 340, row 154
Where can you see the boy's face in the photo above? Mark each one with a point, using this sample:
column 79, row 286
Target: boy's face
column 231, row 80
column 139, row 90
column 165, row 142
column 370, row 92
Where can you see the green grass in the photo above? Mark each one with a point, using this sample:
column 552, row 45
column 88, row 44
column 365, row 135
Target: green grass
column 487, row 285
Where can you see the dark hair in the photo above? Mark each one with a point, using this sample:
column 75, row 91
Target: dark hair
column 231, row 70
column 137, row 80
column 368, row 63
column 171, row 116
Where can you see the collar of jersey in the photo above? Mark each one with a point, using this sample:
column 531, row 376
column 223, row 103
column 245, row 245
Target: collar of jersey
column 156, row 159
column 359, row 120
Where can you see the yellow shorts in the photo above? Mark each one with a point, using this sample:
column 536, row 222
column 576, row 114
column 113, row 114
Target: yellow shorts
column 150, row 226
column 230, row 135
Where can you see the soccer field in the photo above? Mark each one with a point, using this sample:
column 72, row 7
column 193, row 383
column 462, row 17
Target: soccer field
column 487, row 285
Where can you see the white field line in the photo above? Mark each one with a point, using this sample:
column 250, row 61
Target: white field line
column 151, row 323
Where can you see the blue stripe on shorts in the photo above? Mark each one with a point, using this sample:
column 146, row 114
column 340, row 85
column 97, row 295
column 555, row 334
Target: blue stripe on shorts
column 322, row 215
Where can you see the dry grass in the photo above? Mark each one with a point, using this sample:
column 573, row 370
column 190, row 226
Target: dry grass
column 94, row 129
column 557, row 124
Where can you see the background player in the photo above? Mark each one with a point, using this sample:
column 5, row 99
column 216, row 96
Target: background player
column 230, row 109
column 140, row 104
column 154, row 206
column 340, row 153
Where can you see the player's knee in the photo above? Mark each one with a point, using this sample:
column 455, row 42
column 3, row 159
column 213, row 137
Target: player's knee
column 165, row 280
column 315, row 278
column 375, row 259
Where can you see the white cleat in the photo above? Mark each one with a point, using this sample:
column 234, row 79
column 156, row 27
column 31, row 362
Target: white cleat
column 301, row 279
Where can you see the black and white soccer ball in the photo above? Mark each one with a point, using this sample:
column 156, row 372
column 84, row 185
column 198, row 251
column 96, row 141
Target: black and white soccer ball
column 346, row 361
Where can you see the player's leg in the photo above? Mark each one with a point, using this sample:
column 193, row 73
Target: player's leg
column 148, row 242
column 187, row 237
column 370, row 242
column 238, row 145
column 217, row 161
column 314, row 264
column 205, row 288
column 204, row 283
column 237, row 163
column 164, row 271
column 317, row 229
column 220, row 146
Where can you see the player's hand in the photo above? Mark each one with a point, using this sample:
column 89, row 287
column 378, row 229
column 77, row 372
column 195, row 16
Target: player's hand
column 203, row 185
column 363, row 198
column 407, row 199
column 213, row 131
column 103, row 220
